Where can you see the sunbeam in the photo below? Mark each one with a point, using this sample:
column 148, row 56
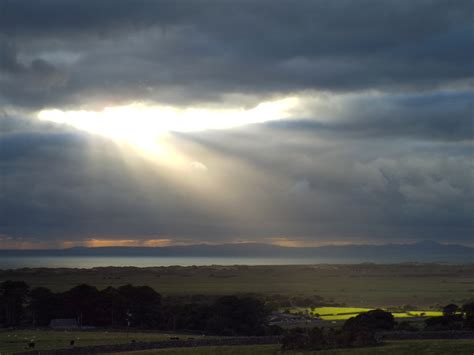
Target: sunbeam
column 144, row 126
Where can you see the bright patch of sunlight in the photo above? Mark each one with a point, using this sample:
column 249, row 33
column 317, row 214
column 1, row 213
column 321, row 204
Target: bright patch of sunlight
column 143, row 126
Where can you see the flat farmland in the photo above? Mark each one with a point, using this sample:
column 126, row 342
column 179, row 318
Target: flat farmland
column 359, row 285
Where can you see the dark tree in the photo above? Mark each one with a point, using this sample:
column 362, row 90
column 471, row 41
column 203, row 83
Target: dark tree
column 13, row 296
column 468, row 310
column 450, row 309
column 453, row 322
column 143, row 305
column 112, row 308
column 81, row 302
column 454, row 318
column 297, row 339
column 320, row 338
column 232, row 315
column 44, row 306
column 371, row 320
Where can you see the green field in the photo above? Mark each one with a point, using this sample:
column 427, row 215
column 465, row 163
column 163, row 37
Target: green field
column 343, row 313
column 407, row 347
column 14, row 341
column 361, row 285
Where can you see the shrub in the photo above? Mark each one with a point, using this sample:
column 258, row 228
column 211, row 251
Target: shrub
column 406, row 326
column 320, row 338
column 13, row 296
column 232, row 315
column 468, row 310
column 274, row 330
column 450, row 309
column 372, row 320
column 454, row 322
column 295, row 339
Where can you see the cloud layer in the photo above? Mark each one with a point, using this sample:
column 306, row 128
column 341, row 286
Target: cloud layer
column 86, row 52
column 379, row 148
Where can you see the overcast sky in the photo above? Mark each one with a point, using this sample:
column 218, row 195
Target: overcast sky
column 293, row 122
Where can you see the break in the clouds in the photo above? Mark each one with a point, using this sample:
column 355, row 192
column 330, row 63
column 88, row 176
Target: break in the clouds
column 340, row 121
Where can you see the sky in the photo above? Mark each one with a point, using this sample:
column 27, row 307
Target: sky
column 178, row 122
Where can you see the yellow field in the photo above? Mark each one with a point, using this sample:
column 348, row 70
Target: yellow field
column 343, row 313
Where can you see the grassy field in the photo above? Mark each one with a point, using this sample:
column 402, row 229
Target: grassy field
column 343, row 313
column 407, row 347
column 14, row 341
column 361, row 285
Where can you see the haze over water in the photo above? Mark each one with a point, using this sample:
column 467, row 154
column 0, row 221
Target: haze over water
column 106, row 261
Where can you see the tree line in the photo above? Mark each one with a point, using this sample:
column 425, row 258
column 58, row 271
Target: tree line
column 131, row 306
column 142, row 307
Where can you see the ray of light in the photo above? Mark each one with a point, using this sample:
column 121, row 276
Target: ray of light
column 144, row 126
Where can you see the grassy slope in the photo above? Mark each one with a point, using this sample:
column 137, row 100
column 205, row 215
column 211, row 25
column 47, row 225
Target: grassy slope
column 409, row 347
column 364, row 285
column 11, row 341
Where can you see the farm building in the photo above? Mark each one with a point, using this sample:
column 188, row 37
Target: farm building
column 66, row 323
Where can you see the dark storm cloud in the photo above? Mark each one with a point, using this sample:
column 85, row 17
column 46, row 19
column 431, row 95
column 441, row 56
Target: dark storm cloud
column 58, row 184
column 439, row 116
column 188, row 52
column 330, row 185
column 27, row 84
column 379, row 149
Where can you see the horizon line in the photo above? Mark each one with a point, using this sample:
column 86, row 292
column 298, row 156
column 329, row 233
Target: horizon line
column 136, row 246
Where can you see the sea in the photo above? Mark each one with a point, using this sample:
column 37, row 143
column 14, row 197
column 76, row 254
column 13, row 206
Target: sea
column 16, row 262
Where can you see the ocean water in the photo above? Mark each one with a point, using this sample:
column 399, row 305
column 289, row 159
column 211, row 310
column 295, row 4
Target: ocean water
column 16, row 262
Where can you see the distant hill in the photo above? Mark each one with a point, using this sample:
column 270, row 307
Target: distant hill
column 422, row 251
